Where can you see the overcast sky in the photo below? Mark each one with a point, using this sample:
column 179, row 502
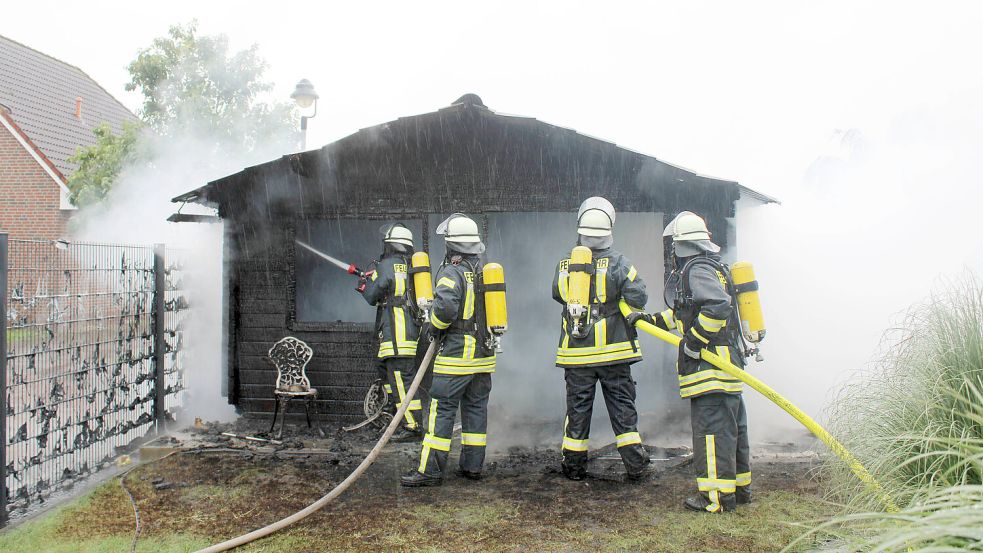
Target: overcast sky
column 742, row 90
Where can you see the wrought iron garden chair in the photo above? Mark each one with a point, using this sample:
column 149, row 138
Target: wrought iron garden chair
column 290, row 356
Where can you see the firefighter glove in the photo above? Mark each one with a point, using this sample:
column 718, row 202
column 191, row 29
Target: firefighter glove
column 636, row 316
column 433, row 333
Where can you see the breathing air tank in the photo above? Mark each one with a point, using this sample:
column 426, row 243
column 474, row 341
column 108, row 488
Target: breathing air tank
column 578, row 288
column 748, row 302
column 493, row 278
column 422, row 281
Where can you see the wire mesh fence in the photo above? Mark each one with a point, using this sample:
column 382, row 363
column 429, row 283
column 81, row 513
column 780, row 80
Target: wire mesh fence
column 87, row 328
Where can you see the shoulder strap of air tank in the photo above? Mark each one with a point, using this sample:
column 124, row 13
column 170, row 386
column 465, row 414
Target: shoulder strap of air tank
column 701, row 260
column 475, row 275
column 592, row 294
column 480, row 314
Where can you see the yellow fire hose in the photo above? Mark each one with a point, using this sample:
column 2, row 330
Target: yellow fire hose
column 807, row 421
column 346, row 483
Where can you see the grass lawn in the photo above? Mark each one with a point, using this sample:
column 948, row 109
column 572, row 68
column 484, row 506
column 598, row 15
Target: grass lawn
column 215, row 499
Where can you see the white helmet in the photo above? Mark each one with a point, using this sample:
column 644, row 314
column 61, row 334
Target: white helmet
column 690, row 235
column 397, row 233
column 595, row 217
column 459, row 228
column 689, row 227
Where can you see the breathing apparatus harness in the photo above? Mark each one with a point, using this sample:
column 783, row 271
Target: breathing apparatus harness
column 407, row 300
column 684, row 306
column 477, row 325
column 580, row 327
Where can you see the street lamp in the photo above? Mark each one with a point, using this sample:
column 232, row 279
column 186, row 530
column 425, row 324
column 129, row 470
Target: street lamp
column 305, row 96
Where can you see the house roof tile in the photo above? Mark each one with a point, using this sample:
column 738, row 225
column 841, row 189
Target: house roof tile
column 40, row 93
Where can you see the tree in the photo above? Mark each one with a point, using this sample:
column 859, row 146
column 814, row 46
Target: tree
column 193, row 83
column 100, row 164
column 193, row 88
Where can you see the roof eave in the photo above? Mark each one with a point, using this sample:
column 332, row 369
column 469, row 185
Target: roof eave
column 754, row 194
column 64, row 195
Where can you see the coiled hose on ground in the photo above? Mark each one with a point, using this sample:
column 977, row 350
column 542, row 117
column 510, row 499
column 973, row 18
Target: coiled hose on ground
column 346, row 483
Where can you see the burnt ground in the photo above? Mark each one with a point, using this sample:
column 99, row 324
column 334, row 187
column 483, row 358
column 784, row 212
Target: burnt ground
column 226, row 486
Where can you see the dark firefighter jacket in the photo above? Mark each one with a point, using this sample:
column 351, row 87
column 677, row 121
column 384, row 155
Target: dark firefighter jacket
column 388, row 289
column 458, row 311
column 704, row 309
column 616, row 290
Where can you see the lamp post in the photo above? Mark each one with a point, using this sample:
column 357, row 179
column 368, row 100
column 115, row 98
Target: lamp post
column 304, row 95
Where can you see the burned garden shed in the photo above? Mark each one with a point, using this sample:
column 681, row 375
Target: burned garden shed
column 522, row 178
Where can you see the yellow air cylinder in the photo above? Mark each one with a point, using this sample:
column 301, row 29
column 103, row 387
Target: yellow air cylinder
column 422, row 281
column 495, row 310
column 578, row 290
column 748, row 302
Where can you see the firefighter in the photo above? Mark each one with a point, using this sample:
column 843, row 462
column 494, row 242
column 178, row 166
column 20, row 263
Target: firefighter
column 390, row 290
column 706, row 315
column 464, row 362
column 604, row 347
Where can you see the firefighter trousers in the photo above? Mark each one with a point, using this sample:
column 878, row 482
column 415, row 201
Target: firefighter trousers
column 619, row 397
column 398, row 373
column 469, row 393
column 721, row 451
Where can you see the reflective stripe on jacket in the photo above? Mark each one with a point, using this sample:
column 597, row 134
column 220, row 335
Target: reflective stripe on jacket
column 455, row 309
column 388, row 289
column 711, row 317
column 616, row 290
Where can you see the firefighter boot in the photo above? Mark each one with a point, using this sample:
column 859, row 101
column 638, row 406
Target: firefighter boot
column 575, row 473
column 416, row 479
column 470, row 475
column 702, row 504
column 405, row 434
column 743, row 495
column 643, row 472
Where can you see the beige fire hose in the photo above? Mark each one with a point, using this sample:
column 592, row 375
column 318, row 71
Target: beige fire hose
column 340, row 488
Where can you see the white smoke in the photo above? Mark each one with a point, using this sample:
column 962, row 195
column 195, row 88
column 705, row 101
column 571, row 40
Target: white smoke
column 136, row 212
column 873, row 225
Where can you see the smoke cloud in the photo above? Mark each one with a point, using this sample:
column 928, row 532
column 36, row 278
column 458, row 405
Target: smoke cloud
column 136, row 212
column 872, row 225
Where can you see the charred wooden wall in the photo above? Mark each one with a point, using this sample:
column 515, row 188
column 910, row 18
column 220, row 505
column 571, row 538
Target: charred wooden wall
column 260, row 280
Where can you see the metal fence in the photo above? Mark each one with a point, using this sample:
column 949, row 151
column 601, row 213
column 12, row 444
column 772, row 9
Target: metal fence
column 93, row 341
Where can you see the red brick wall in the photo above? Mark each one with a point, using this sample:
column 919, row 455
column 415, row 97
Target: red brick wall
column 29, row 198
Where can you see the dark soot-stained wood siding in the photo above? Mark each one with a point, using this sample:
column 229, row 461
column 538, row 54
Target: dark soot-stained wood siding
column 342, row 366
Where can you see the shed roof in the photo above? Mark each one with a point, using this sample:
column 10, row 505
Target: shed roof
column 465, row 157
column 40, row 93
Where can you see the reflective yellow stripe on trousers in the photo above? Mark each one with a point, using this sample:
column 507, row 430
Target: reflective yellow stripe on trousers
column 410, row 420
column 431, row 423
column 628, row 438
column 711, row 447
column 573, row 444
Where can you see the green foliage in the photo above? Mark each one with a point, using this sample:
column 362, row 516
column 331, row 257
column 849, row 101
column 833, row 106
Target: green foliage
column 101, row 163
column 917, row 425
column 194, row 89
column 194, row 83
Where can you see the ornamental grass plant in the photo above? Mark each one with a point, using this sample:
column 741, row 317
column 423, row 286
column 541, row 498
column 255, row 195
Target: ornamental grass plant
column 916, row 422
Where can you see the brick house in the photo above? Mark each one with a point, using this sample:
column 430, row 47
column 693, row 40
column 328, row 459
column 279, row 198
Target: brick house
column 48, row 109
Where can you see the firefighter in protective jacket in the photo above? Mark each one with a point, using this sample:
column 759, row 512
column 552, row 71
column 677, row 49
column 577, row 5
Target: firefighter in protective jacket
column 706, row 315
column 390, row 289
column 603, row 348
column 464, row 362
